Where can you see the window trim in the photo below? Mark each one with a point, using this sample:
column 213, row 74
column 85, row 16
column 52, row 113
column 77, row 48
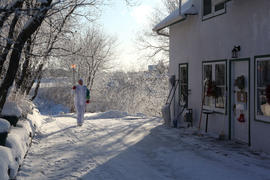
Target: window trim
column 214, row 109
column 179, row 91
column 259, row 118
column 213, row 12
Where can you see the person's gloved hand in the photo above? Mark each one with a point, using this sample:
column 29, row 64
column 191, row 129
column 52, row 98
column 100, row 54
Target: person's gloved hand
column 87, row 101
column 74, row 87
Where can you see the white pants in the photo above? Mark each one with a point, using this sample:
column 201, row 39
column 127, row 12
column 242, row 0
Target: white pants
column 80, row 113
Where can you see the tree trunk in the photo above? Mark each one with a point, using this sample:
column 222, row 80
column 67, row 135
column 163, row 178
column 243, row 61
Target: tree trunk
column 28, row 88
column 36, row 90
column 25, row 65
column 31, row 26
column 9, row 43
column 37, row 86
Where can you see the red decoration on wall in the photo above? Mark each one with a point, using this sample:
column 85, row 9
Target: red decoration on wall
column 241, row 118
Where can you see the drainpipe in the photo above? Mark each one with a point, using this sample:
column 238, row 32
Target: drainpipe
column 168, row 35
column 162, row 34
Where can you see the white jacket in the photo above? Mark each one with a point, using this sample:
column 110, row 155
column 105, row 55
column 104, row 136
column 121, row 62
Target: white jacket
column 80, row 95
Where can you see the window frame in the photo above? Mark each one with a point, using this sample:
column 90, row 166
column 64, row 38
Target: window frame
column 179, row 91
column 213, row 12
column 213, row 63
column 260, row 118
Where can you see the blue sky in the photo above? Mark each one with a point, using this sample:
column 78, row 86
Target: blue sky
column 124, row 23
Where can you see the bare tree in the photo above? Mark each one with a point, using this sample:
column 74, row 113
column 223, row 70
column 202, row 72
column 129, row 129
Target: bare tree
column 132, row 92
column 39, row 11
column 154, row 46
column 58, row 31
column 16, row 37
column 92, row 53
column 98, row 51
column 30, row 27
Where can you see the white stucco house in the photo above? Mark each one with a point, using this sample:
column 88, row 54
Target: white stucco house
column 220, row 55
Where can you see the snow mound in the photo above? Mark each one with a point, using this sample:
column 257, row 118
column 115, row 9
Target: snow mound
column 35, row 119
column 8, row 168
column 141, row 115
column 26, row 106
column 11, row 109
column 4, row 125
column 19, row 137
column 115, row 115
column 18, row 140
column 112, row 114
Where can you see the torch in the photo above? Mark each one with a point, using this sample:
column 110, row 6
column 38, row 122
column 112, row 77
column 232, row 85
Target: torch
column 73, row 67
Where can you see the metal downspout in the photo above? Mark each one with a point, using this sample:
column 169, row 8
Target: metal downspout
column 168, row 35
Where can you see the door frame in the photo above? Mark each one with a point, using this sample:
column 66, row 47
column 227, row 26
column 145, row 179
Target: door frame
column 230, row 96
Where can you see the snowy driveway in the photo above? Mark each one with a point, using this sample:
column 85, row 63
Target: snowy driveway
column 111, row 146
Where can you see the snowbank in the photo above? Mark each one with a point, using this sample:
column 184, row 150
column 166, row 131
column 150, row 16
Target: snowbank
column 11, row 109
column 26, row 106
column 18, row 140
column 7, row 164
column 114, row 115
column 111, row 114
column 35, row 119
column 4, row 125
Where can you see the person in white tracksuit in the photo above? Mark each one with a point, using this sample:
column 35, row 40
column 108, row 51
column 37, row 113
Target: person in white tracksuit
column 80, row 100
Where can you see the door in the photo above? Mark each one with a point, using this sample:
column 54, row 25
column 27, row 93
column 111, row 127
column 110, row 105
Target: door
column 239, row 90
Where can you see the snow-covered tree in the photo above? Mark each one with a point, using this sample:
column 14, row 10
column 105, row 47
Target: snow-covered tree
column 156, row 47
column 92, row 53
column 132, row 92
column 20, row 20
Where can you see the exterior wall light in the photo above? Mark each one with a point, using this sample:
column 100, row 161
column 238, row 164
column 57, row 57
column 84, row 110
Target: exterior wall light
column 235, row 51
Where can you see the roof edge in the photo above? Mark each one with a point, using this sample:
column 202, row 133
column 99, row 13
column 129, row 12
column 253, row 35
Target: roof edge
column 188, row 8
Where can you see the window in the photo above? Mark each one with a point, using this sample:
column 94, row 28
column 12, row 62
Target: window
column 183, row 86
column 214, row 80
column 220, row 85
column 263, row 89
column 219, row 7
column 213, row 8
column 207, row 7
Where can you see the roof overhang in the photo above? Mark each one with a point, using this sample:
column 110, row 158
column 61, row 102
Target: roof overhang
column 173, row 18
column 180, row 14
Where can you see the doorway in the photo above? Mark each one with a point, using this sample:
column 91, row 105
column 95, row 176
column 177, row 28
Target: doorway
column 240, row 100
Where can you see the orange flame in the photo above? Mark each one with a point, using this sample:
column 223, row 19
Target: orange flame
column 73, row 66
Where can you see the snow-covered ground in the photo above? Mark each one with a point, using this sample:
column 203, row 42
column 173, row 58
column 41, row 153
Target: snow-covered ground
column 117, row 146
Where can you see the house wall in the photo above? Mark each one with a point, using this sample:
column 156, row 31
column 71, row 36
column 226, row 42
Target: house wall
column 245, row 23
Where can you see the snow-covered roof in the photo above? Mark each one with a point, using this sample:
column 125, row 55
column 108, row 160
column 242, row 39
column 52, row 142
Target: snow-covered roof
column 187, row 8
